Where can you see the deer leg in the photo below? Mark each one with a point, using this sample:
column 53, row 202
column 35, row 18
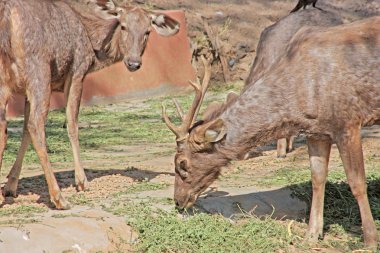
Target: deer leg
column 66, row 95
column 319, row 154
column 4, row 96
column 290, row 142
column 72, row 111
column 10, row 189
column 350, row 149
column 281, row 148
column 39, row 105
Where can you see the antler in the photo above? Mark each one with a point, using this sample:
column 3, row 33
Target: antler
column 189, row 118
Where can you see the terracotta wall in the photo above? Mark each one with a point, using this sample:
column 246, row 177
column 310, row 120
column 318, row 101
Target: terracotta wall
column 166, row 65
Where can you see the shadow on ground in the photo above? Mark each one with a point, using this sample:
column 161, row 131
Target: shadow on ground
column 37, row 184
column 293, row 202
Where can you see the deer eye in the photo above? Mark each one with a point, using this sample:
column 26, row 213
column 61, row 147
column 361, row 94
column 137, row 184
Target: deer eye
column 182, row 169
column 183, row 165
column 123, row 28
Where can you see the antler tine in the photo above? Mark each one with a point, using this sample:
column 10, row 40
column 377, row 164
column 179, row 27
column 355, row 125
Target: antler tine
column 176, row 130
column 205, row 83
column 188, row 119
column 179, row 108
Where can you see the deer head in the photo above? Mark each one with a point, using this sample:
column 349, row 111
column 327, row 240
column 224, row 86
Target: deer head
column 129, row 30
column 197, row 164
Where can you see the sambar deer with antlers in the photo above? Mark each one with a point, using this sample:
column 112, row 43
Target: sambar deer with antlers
column 50, row 46
column 326, row 86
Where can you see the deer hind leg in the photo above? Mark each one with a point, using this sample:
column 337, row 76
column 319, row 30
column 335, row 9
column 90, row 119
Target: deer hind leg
column 39, row 95
column 281, row 148
column 72, row 111
column 290, row 142
column 5, row 93
column 350, row 149
column 319, row 154
column 10, row 189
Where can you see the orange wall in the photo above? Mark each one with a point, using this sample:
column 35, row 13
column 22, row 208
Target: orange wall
column 166, row 64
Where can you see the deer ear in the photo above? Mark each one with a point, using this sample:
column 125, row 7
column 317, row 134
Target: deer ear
column 108, row 7
column 214, row 131
column 164, row 25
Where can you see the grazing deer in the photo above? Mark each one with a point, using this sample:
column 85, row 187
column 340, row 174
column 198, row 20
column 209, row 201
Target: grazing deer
column 326, row 86
column 50, row 46
column 304, row 3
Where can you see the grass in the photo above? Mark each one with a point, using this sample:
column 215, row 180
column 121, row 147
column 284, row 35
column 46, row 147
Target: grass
column 161, row 231
column 106, row 126
column 341, row 212
column 22, row 210
column 141, row 187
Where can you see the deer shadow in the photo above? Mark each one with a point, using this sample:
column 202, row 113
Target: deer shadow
column 37, row 184
column 294, row 202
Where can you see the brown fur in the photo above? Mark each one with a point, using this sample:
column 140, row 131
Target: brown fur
column 272, row 45
column 51, row 45
column 326, row 86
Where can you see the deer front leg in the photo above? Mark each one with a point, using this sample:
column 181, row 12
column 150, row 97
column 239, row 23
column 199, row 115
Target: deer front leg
column 10, row 189
column 281, row 148
column 350, row 149
column 72, row 111
column 39, row 97
column 4, row 96
column 319, row 154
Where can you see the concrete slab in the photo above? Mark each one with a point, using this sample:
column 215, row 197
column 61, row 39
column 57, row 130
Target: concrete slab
column 79, row 230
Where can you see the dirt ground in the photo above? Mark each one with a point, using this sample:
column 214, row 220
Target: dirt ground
column 88, row 228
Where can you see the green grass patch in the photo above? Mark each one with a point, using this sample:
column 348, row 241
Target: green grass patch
column 22, row 210
column 80, row 199
column 341, row 212
column 161, row 231
column 142, row 187
column 105, row 126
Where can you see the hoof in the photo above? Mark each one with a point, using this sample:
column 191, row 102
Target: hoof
column 281, row 156
column 61, row 203
column 9, row 191
column 81, row 185
column 313, row 237
column 371, row 244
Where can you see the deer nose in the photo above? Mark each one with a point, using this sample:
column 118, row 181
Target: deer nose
column 133, row 65
column 178, row 205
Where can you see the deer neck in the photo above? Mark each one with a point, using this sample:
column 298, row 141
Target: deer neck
column 261, row 114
